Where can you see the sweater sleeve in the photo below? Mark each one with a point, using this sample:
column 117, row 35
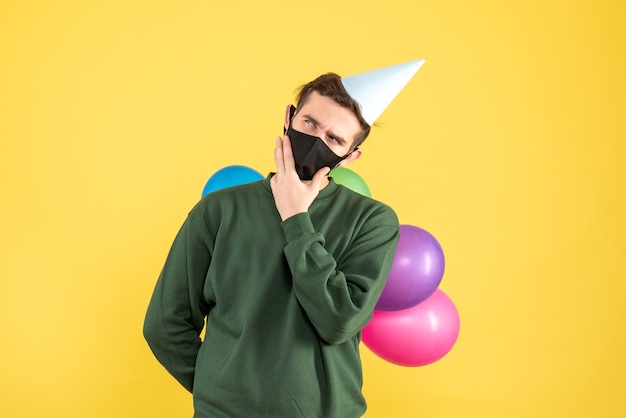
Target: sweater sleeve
column 339, row 299
column 176, row 312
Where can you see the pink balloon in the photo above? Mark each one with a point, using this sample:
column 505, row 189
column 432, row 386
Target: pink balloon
column 416, row 336
column 416, row 272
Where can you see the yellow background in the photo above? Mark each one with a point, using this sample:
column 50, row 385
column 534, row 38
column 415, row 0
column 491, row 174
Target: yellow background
column 508, row 146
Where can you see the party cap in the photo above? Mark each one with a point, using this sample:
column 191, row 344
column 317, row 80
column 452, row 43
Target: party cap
column 375, row 89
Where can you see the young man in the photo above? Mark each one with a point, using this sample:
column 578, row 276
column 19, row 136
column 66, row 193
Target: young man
column 286, row 272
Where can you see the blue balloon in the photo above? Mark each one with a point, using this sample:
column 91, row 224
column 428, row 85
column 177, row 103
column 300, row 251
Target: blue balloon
column 232, row 175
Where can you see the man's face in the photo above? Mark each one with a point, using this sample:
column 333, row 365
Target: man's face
column 321, row 116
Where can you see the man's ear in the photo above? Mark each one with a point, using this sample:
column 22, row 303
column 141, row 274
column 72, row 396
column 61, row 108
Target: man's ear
column 289, row 112
column 355, row 155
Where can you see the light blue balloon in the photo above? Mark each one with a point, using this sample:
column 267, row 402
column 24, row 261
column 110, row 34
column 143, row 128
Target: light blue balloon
column 232, row 175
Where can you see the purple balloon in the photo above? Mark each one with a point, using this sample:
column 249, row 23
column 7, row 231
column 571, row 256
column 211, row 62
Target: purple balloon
column 416, row 271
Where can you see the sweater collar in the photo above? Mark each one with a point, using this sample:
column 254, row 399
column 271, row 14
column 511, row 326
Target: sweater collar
column 326, row 192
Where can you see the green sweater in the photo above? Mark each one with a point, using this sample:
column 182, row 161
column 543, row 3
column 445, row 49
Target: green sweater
column 284, row 302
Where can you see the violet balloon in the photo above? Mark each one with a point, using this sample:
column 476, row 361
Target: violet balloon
column 416, row 271
column 416, row 336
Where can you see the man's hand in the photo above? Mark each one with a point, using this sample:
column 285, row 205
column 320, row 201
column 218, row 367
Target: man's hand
column 292, row 195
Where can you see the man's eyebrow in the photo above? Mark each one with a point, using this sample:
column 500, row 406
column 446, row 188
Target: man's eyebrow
column 339, row 139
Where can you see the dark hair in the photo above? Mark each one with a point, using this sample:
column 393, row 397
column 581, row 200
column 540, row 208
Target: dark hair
column 330, row 85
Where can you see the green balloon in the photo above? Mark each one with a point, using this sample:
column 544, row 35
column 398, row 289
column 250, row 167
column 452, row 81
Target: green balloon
column 351, row 180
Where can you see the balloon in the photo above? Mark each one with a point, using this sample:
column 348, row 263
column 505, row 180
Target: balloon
column 351, row 180
column 416, row 336
column 416, row 271
column 232, row 175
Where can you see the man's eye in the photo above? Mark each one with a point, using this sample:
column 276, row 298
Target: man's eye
column 308, row 122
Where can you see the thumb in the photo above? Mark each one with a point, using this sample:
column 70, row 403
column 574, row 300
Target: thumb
column 319, row 176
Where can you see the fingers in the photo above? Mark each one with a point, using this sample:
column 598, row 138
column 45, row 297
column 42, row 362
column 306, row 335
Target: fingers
column 278, row 156
column 283, row 156
column 290, row 165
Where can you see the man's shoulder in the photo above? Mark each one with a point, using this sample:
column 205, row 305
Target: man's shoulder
column 366, row 205
column 224, row 200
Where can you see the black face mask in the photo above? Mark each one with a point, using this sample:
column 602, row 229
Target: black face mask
column 310, row 153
